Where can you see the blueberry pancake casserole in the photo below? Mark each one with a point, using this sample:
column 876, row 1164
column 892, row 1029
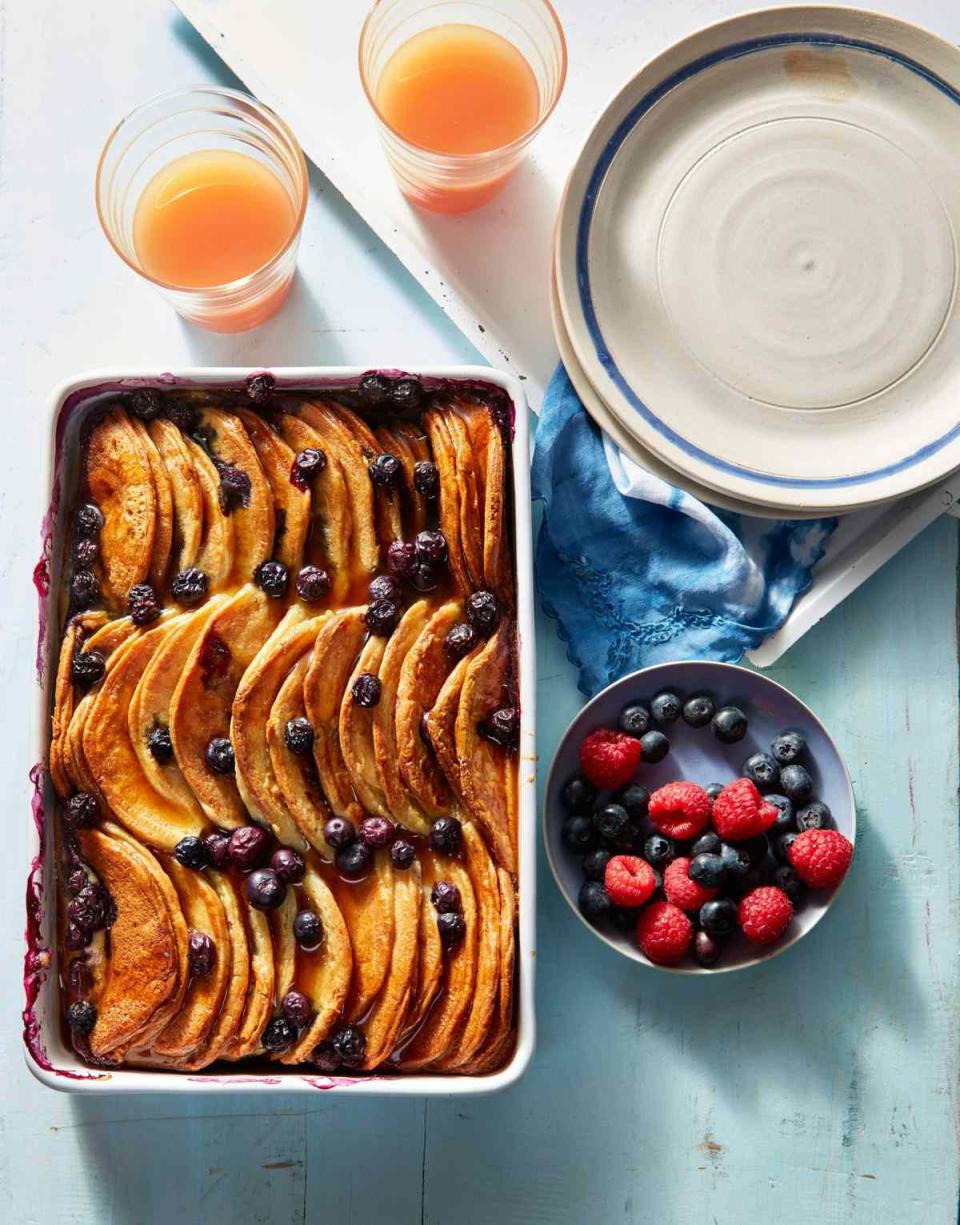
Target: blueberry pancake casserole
column 285, row 730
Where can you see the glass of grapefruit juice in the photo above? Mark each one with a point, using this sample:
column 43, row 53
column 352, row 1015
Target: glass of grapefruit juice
column 459, row 90
column 203, row 193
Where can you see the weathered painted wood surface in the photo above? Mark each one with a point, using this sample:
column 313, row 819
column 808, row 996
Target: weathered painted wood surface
column 821, row 1087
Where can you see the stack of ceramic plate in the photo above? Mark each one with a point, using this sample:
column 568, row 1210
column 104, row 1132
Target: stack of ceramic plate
column 756, row 263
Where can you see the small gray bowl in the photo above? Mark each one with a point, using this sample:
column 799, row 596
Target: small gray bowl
column 696, row 754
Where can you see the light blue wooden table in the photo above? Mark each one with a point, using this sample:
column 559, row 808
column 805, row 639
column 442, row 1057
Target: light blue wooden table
column 821, row 1088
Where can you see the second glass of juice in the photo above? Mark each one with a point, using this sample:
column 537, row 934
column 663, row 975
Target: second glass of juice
column 460, row 90
column 203, row 193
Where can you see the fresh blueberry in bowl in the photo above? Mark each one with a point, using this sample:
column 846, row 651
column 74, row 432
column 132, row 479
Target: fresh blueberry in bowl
column 718, row 917
column 658, row 851
column 665, row 708
column 578, row 793
column 707, row 870
column 593, row 901
column 796, row 783
column 654, row 746
column 815, row 815
column 595, row 863
column 787, row 748
column 634, row 720
column 761, row 769
column 698, row 710
column 635, row 798
column 610, row 821
column 578, row 833
column 729, row 724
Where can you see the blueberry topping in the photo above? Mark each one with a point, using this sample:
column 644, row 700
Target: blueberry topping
column 192, row 852
column 89, row 521
column 578, row 833
column 426, row 479
column 308, row 930
column 665, row 708
column 374, row 390
column 698, row 711
column 218, row 847
column 288, row 865
column 401, row 558
column 76, row 937
column 279, row 1034
column 219, row 755
column 402, row 854
column 707, row 870
column 610, row 821
column 654, row 746
column 75, row 881
column 796, row 783
column 460, row 640
column 143, row 604
column 503, row 727
column 815, row 815
column 91, row 909
column 635, row 798
column 85, row 552
column 634, row 720
column 339, row 832
column 81, row 1017
column 298, row 735
column 446, row 835
column 190, row 587
column 325, row 1058
column 384, row 587
column 182, row 413
column 308, row 465
column 706, row 950
column 377, row 832
column 658, row 851
column 445, row 897
column 578, row 793
column 160, row 744
column 483, row 612
column 381, row 617
column 354, row 861
column 595, row 864
column 146, row 404
column 85, row 588
column 424, row 577
column 296, row 1008
column 87, row 668
column 786, row 878
column 350, row 1045
column 431, row 547
column 265, row 890
column 406, row 394
column 384, row 470
column 249, row 847
column 761, row 769
column 313, row 584
column 366, row 690
column 781, row 848
column 81, row 811
column 706, row 844
column 787, row 748
column 201, row 953
column 729, row 725
column 79, row 977
column 718, row 917
column 593, row 901
column 452, row 928
column 785, row 822
column 272, row 578
column 736, row 861
column 260, row 387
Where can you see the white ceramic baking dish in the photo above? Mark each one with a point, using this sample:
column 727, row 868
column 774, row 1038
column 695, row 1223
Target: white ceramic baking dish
column 48, row 1057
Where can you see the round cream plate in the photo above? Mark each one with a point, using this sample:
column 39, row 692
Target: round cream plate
column 757, row 259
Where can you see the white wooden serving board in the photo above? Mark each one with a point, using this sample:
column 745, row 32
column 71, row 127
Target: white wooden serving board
column 489, row 270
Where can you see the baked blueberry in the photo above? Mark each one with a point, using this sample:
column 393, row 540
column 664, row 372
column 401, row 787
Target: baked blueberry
column 578, row 793
column 815, row 815
column 445, row 897
column 190, row 587
column 431, row 547
column 402, row 854
column 426, row 479
column 424, row 577
column 483, row 612
column 366, row 690
column 718, row 917
column 374, row 390
column 382, row 617
column 595, row 864
column 261, row 387
column 313, row 584
column 81, row 811
column 761, row 769
column 698, row 710
column 308, row 930
column 401, row 558
column 706, row 950
column 181, row 412
column 788, row 748
column 635, row 798
column 160, row 744
column 85, row 588
column 350, row 1045
column 249, row 847
column 143, row 604
column 325, row 1058
column 452, row 928
column 384, row 587
column 658, row 851
column 279, row 1034
column 298, row 735
column 288, row 865
column 729, row 724
column 75, row 937
column 88, row 521
column 145, row 403
column 665, row 708
column 634, row 720
column 446, row 835
column 406, row 394
column 192, row 852
column 219, row 755
column 296, row 1008
column 272, row 577
column 654, row 746
column 265, row 890
column 75, row 880
column 339, row 832
column 92, row 908
column 201, row 953
column 307, row 465
column 796, row 783
column 384, row 470
column 85, row 552
column 354, row 860
column 377, row 832
column 235, row 487
column 460, row 640
column 503, row 727
column 79, row 977
column 785, row 821
column 87, row 668
column 593, row 901
column 219, row 847
column 82, row 1017
column 707, row 870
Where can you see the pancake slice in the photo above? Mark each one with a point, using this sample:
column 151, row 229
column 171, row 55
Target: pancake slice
column 356, row 733
column 163, row 536
column 412, row 507
column 439, row 1029
column 64, row 699
column 430, row 955
column 120, row 481
column 253, row 514
column 260, row 987
column 502, row 1038
column 367, row 909
column 443, row 456
column 387, row 502
column 402, row 807
column 203, row 699
column 488, row 773
column 292, row 505
column 497, row 573
column 421, row 678
column 385, row 1018
column 112, row 640
column 297, row 776
column 216, row 555
column 150, row 816
column 323, row 975
column 186, row 500
column 470, row 500
column 442, row 721
column 140, row 973
column 334, row 653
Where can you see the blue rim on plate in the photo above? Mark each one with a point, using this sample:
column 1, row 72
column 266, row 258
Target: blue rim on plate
column 767, row 704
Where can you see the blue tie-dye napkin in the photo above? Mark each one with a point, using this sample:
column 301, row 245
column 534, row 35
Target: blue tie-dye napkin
column 635, row 571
